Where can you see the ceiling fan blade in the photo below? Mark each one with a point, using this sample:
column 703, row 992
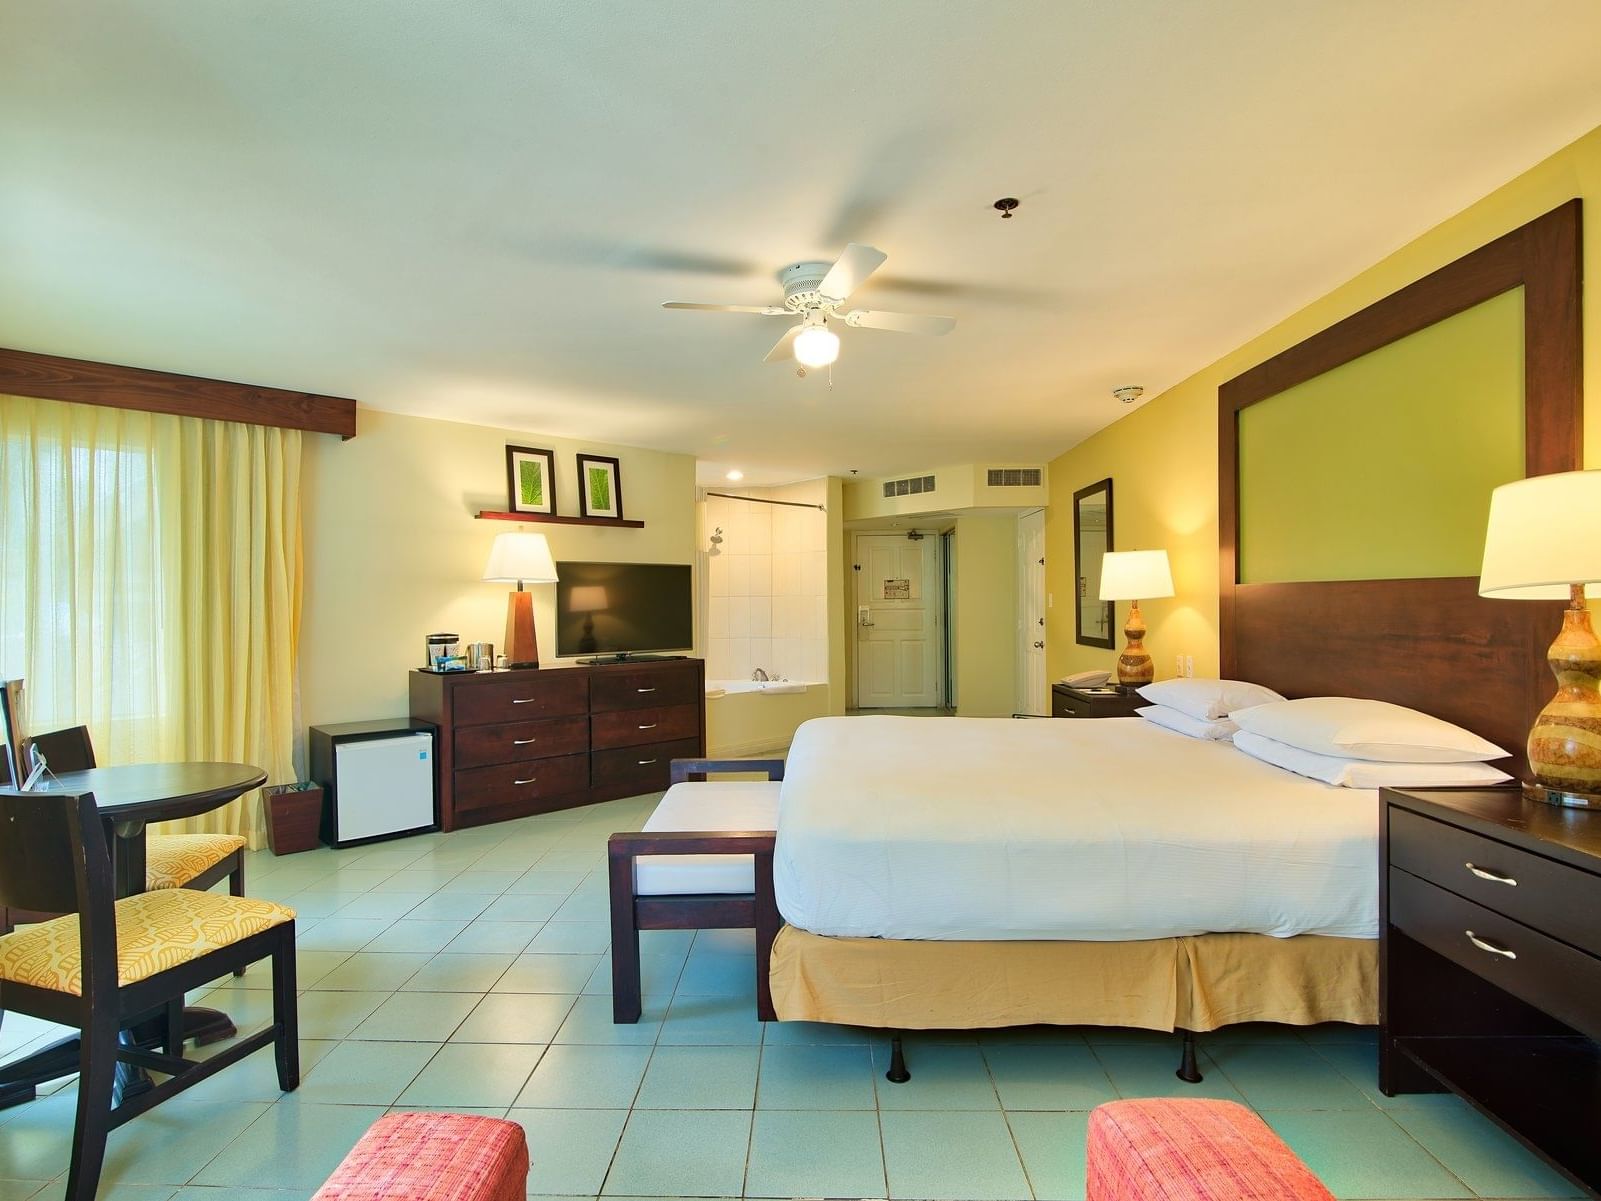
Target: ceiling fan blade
column 901, row 323
column 763, row 310
column 783, row 350
column 851, row 270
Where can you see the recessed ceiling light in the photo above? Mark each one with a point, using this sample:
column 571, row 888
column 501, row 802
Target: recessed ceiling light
column 735, row 475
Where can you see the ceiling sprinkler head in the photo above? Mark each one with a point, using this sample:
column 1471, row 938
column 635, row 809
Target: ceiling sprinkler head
column 1005, row 205
column 1128, row 395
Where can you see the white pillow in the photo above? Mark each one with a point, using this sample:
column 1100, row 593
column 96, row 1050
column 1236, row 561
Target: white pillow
column 1353, row 729
column 1173, row 719
column 1363, row 773
column 1207, row 699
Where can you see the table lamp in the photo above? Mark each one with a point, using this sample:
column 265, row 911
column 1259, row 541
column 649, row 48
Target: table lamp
column 1544, row 543
column 1130, row 575
column 587, row 599
column 520, row 559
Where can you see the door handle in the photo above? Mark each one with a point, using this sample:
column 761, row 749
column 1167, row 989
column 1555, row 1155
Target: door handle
column 1494, row 877
column 527, row 700
column 1493, row 948
column 646, row 762
column 529, row 780
column 652, row 726
column 523, row 741
column 644, row 690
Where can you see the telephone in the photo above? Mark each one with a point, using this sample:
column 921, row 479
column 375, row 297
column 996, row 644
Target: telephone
column 1087, row 679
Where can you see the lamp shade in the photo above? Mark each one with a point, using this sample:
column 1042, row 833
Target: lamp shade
column 1544, row 535
column 520, row 558
column 1135, row 575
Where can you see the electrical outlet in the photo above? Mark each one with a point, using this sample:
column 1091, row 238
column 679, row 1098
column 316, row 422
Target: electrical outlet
column 1189, row 665
column 1179, row 669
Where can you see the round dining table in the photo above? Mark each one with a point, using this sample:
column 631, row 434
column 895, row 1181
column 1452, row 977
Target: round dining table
column 129, row 797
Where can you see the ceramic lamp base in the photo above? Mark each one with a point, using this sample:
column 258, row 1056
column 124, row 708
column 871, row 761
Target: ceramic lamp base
column 1565, row 743
column 1134, row 666
column 522, row 650
column 1566, row 798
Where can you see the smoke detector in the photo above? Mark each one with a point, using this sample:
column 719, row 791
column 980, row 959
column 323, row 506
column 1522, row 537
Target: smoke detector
column 1128, row 394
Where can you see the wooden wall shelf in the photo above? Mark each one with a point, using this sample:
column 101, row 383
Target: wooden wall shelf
column 489, row 515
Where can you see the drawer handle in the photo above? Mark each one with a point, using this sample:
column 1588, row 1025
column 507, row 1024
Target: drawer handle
column 652, row 726
column 1490, row 946
column 529, row 780
column 523, row 741
column 644, row 690
column 1494, row 877
column 527, row 700
column 646, row 762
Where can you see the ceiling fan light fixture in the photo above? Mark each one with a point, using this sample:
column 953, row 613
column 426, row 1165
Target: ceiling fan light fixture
column 816, row 346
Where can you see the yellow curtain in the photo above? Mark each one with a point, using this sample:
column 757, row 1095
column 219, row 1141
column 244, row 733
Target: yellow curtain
column 150, row 583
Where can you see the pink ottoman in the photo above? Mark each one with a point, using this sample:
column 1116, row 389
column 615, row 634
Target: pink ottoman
column 433, row 1157
column 1183, row 1150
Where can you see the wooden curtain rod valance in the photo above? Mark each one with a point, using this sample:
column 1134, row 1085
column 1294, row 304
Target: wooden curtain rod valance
column 50, row 377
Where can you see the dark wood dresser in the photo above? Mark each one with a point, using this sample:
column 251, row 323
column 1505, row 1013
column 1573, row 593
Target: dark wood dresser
column 1067, row 701
column 1490, row 963
column 517, row 742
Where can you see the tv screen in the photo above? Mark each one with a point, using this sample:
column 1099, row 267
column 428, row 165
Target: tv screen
column 617, row 608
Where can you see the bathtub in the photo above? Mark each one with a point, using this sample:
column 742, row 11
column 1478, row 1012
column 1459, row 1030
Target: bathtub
column 745, row 717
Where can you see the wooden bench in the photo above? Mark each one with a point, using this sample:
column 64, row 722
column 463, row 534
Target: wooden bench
column 433, row 1157
column 695, row 818
column 1191, row 1150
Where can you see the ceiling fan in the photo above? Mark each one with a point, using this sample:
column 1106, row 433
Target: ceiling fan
column 816, row 293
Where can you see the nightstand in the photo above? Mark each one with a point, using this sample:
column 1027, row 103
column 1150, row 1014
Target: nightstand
column 1112, row 701
column 1490, row 963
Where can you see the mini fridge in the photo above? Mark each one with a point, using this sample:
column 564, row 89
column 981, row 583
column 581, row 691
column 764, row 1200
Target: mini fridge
column 377, row 778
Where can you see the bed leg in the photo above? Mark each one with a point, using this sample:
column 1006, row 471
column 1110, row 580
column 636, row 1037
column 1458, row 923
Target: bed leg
column 897, row 1073
column 1188, row 1071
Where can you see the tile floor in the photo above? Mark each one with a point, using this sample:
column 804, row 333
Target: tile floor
column 469, row 971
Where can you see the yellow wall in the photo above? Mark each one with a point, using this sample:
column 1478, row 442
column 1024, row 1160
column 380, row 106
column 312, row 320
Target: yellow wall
column 986, row 615
column 1163, row 456
column 393, row 552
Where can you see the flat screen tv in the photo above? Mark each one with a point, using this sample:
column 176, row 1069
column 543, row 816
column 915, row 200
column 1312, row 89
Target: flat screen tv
column 621, row 609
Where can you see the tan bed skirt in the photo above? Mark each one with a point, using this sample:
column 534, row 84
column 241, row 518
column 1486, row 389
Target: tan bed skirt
column 1195, row 983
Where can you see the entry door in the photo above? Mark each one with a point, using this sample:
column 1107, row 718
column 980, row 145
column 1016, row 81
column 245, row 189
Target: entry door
column 1031, row 692
column 897, row 622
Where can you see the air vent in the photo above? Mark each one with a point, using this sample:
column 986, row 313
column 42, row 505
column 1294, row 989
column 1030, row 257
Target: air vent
column 1014, row 477
column 913, row 486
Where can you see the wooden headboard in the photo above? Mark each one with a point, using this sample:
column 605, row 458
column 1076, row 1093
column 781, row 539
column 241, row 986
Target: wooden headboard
column 1430, row 644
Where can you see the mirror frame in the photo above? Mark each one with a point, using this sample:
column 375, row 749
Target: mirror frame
column 1079, row 602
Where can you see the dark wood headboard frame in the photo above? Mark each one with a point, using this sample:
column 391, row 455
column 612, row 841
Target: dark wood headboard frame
column 1430, row 644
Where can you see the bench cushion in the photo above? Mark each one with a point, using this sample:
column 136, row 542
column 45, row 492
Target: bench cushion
column 433, row 1157
column 1191, row 1150
column 707, row 805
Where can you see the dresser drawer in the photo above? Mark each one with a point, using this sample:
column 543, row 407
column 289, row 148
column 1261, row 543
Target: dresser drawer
column 513, row 742
column 645, row 688
column 522, row 698
column 637, row 769
column 1548, row 974
column 521, row 783
column 1558, row 899
column 638, row 727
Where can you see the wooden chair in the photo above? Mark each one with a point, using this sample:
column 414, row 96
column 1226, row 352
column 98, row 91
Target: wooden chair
column 171, row 860
column 108, row 964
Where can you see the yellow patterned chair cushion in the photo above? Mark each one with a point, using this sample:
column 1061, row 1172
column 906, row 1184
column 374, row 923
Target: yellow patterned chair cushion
column 172, row 860
column 155, row 931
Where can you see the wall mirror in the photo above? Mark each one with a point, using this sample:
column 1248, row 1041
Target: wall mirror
column 1092, row 538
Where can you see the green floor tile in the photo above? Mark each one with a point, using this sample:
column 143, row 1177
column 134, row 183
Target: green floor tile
column 815, row 1154
column 700, row 1078
column 952, row 1156
column 681, row 1153
column 473, row 1074
column 572, row 1148
column 1483, row 1156
column 943, row 1077
column 290, row 1146
column 1048, row 1077
column 547, row 973
column 1285, row 1076
column 363, row 1073
column 590, row 1022
column 585, row 1078
column 1363, row 1154
column 449, row 972
column 816, row 1077
column 1052, row 1147
column 711, row 1021
column 1144, row 1070
column 515, row 1018
column 373, row 971
column 416, row 1017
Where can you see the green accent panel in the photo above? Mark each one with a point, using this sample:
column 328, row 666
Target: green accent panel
column 1382, row 468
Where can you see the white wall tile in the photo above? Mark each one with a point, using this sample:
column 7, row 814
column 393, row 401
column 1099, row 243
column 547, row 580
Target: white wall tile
column 739, row 617
column 738, row 575
column 739, row 663
column 761, row 655
column 761, row 616
column 761, row 575
column 717, row 574
column 718, row 664
column 717, row 617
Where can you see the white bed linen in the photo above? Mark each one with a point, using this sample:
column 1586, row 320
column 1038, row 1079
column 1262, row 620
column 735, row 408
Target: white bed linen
column 970, row 828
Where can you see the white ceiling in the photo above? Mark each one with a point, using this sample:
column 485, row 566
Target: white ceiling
column 452, row 208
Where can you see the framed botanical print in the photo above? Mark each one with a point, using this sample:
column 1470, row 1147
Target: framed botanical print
column 530, row 480
column 600, row 487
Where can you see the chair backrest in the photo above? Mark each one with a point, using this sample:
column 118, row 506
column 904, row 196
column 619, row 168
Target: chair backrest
column 66, row 750
column 11, row 726
column 53, row 853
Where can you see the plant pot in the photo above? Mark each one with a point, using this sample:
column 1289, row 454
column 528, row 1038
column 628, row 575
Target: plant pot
column 294, row 817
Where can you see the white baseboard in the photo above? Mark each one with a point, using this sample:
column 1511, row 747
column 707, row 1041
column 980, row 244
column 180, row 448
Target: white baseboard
column 747, row 750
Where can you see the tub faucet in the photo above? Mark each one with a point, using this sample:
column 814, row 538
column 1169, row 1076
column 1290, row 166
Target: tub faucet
column 760, row 674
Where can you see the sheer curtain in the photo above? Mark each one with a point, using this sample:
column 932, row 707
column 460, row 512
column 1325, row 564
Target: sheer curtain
column 150, row 586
